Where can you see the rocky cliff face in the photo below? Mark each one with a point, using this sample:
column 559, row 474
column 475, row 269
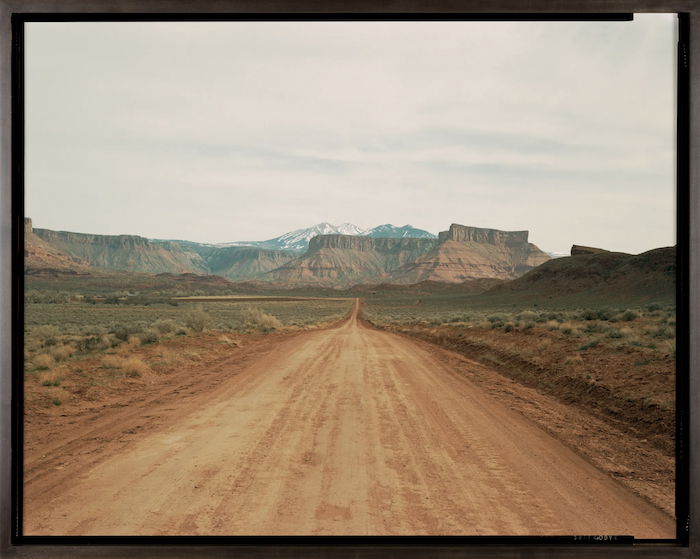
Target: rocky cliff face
column 125, row 252
column 344, row 260
column 459, row 254
column 335, row 260
column 42, row 255
column 467, row 253
column 66, row 250
column 244, row 263
column 369, row 244
column 466, row 234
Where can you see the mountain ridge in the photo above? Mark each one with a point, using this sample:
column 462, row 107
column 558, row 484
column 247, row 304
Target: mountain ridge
column 329, row 260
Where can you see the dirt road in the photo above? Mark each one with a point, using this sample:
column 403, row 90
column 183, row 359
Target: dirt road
column 348, row 430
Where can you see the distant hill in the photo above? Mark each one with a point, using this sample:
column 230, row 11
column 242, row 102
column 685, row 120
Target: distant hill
column 298, row 240
column 465, row 253
column 462, row 253
column 123, row 252
column 344, row 260
column 599, row 276
column 393, row 232
column 384, row 254
column 244, row 263
column 40, row 254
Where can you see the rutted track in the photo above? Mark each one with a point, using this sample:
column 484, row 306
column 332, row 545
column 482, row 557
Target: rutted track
column 348, row 430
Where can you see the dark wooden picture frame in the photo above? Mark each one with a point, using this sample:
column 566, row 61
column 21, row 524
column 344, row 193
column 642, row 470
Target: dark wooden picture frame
column 688, row 281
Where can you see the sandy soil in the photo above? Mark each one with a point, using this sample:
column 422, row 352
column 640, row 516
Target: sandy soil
column 347, row 430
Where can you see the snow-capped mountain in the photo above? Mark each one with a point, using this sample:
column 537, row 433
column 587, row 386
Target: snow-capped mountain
column 298, row 239
column 392, row 231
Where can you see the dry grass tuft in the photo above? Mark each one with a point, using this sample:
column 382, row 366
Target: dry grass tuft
column 134, row 367
column 50, row 379
column 228, row 341
column 62, row 352
column 134, row 341
column 112, row 362
column 43, row 361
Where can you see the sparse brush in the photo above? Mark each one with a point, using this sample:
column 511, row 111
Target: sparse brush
column 134, row 341
column 497, row 319
column 664, row 333
column 259, row 320
column 50, row 379
column 192, row 355
column 47, row 333
column 112, row 362
column 669, row 346
column 629, row 315
column 148, row 337
column 166, row 325
column 614, row 333
column 62, row 352
column 197, row 320
column 527, row 316
column 43, row 361
column 573, row 360
column 134, row 367
column 594, row 328
column 588, row 345
column 168, row 358
column 228, row 341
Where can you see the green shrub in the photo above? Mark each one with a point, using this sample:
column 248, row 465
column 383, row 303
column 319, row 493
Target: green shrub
column 197, row 319
column 595, row 328
column 629, row 315
column 43, row 361
column 527, row 316
column 166, row 325
column 259, row 320
column 615, row 333
column 148, row 337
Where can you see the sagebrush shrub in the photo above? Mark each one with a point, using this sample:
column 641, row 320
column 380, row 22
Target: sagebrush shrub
column 260, row 320
column 197, row 320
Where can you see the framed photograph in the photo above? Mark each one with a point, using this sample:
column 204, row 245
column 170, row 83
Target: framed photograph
column 378, row 281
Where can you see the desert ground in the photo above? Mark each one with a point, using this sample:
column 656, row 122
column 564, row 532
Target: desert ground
column 343, row 428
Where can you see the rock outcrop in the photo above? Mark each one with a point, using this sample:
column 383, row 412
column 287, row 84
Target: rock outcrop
column 467, row 234
column 577, row 250
column 42, row 255
column 125, row 252
column 344, row 260
column 459, row 254
column 466, row 253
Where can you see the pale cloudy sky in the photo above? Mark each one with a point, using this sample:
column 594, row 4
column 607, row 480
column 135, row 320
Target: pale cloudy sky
column 225, row 131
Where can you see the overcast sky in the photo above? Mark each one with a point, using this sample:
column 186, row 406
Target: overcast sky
column 218, row 132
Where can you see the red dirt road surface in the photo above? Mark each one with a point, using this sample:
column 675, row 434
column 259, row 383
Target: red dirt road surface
column 347, row 430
